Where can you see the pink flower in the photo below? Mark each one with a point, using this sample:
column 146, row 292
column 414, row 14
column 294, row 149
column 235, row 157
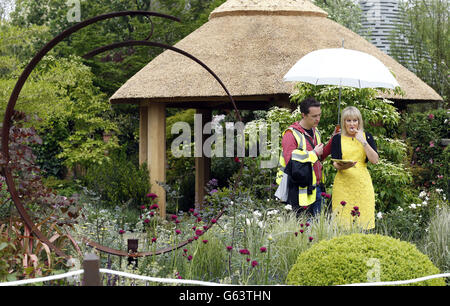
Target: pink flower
column 301, row 231
column 152, row 195
column 310, row 238
column 199, row 232
column 237, row 160
column 153, row 239
column 121, row 232
column 262, row 249
column 431, row 144
column 343, row 203
column 417, row 149
column 213, row 221
column 229, row 247
column 356, row 208
column 174, row 217
column 296, row 233
column 191, row 210
column 189, row 257
column 307, row 224
column 154, row 206
column 323, row 194
column 244, row 252
column 177, row 231
column 205, row 241
column 430, row 116
column 185, row 250
column 254, row 263
column 146, row 221
column 142, row 206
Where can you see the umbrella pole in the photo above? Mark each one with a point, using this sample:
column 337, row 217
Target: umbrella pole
column 339, row 106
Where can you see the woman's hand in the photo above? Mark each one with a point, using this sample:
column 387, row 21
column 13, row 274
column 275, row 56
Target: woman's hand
column 343, row 166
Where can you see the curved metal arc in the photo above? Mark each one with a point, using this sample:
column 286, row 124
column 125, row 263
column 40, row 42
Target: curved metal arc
column 161, row 45
column 13, row 99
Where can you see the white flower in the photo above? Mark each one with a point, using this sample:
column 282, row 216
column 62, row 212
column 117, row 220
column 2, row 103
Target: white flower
column 379, row 215
column 247, row 221
column 439, row 190
column 272, row 212
column 413, row 206
column 288, row 207
column 257, row 214
column 261, row 224
column 422, row 194
column 424, row 203
column 400, row 209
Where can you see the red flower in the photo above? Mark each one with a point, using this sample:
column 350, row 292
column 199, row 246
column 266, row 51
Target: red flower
column 301, row 231
column 254, row 263
column 244, row 252
column 199, row 232
column 174, row 217
column 142, row 206
column 189, row 257
column 236, row 159
column 146, row 221
column 153, row 239
column 343, row 203
column 205, row 241
column 121, row 232
column 152, row 195
column 263, row 249
column 213, row 221
column 177, row 231
column 229, row 247
column 430, row 116
column 310, row 238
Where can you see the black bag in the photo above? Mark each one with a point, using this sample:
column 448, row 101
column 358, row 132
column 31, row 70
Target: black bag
column 300, row 174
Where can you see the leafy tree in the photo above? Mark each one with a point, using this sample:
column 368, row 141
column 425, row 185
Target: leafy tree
column 425, row 27
column 345, row 12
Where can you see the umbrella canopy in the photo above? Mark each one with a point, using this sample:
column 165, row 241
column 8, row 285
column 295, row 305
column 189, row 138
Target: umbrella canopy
column 343, row 67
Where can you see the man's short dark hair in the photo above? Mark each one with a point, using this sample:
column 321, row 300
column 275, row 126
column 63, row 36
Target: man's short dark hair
column 307, row 103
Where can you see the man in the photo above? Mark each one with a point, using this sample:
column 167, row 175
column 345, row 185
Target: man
column 301, row 159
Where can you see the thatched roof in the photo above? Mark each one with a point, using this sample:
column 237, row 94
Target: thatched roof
column 250, row 45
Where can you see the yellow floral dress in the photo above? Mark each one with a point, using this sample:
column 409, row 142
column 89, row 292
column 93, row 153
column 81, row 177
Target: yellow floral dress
column 354, row 187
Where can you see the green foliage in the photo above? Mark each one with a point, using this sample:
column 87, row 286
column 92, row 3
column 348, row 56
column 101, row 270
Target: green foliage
column 421, row 39
column 345, row 12
column 119, row 182
column 356, row 258
column 429, row 159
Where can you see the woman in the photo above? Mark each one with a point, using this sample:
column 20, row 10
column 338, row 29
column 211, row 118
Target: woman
column 353, row 195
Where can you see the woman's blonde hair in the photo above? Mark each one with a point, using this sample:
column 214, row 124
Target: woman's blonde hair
column 351, row 112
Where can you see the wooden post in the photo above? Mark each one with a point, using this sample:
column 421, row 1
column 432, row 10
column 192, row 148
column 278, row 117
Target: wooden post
column 202, row 164
column 91, row 266
column 143, row 141
column 156, row 151
column 132, row 249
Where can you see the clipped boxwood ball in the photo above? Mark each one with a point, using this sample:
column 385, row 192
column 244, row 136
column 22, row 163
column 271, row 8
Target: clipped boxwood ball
column 360, row 258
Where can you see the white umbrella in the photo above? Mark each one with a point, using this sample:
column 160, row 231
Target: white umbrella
column 342, row 67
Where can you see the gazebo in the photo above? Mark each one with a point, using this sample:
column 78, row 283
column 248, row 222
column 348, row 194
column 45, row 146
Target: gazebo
column 249, row 45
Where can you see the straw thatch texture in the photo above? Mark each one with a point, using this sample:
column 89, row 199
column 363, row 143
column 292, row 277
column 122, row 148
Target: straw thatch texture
column 250, row 54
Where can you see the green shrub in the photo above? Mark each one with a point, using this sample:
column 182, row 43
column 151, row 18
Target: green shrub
column 356, row 258
column 119, row 182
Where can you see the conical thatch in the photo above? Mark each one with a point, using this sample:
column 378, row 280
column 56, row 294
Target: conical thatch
column 250, row 45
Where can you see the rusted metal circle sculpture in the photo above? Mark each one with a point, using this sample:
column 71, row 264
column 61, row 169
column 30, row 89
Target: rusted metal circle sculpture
column 7, row 121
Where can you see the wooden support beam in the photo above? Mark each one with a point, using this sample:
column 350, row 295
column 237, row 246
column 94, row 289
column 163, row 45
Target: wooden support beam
column 203, row 163
column 156, row 151
column 143, row 139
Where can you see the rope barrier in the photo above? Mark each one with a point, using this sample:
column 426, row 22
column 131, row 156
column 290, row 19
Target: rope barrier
column 403, row 282
column 194, row 282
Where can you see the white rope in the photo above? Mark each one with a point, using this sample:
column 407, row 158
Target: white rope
column 162, row 280
column 402, row 282
column 42, row 279
column 194, row 282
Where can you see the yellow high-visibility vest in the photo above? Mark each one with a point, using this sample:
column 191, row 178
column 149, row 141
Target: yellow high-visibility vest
column 301, row 155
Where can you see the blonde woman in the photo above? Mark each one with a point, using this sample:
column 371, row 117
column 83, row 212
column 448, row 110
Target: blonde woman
column 353, row 196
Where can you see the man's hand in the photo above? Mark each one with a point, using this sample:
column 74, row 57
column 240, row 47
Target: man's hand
column 319, row 149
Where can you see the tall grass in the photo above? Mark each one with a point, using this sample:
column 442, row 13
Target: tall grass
column 436, row 242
